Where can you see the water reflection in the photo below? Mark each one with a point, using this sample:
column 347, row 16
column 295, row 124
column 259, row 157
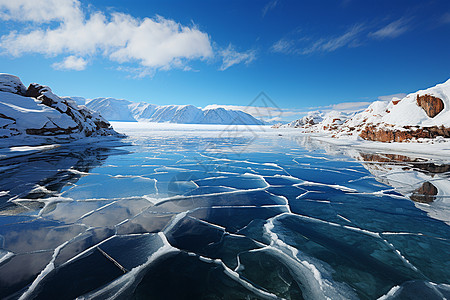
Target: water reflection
column 31, row 185
column 44, row 173
column 424, row 182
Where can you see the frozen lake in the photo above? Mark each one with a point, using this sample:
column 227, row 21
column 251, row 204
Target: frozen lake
column 222, row 212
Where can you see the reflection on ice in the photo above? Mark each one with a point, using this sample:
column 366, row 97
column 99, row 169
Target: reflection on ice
column 191, row 215
column 426, row 183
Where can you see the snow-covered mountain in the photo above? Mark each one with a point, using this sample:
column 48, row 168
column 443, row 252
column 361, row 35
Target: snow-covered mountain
column 423, row 114
column 312, row 118
column 111, row 109
column 124, row 110
column 36, row 113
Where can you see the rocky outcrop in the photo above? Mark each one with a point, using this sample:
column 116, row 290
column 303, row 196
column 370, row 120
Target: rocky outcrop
column 36, row 111
column 389, row 135
column 35, row 90
column 425, row 194
column 430, row 104
column 403, row 120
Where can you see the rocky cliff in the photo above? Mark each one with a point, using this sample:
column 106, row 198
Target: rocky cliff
column 36, row 111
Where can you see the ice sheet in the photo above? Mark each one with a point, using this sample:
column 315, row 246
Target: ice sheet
column 235, row 213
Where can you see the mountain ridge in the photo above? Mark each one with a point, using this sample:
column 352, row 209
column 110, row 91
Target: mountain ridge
column 114, row 109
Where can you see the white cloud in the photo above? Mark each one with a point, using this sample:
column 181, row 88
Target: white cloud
column 283, row 46
column 269, row 6
column 40, row 10
column 392, row 30
column 71, row 63
column 347, row 39
column 153, row 43
column 390, row 97
column 350, row 106
column 346, row 107
column 355, row 36
column 232, row 57
column 137, row 72
column 350, row 38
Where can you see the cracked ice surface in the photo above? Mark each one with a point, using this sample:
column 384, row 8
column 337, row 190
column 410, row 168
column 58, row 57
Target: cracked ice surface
column 218, row 213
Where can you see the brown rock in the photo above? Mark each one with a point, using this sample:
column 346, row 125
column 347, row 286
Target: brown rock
column 430, row 104
column 387, row 135
column 425, row 194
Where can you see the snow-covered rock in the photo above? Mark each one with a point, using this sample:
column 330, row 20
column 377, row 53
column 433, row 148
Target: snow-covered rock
column 38, row 112
column 333, row 120
column 371, row 115
column 317, row 121
column 124, row 110
column 407, row 112
column 423, row 114
column 75, row 100
column 11, row 84
column 312, row 118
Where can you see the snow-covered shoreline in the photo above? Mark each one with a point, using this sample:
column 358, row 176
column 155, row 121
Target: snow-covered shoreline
column 424, row 114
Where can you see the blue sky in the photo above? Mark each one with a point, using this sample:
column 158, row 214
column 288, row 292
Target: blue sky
column 302, row 54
